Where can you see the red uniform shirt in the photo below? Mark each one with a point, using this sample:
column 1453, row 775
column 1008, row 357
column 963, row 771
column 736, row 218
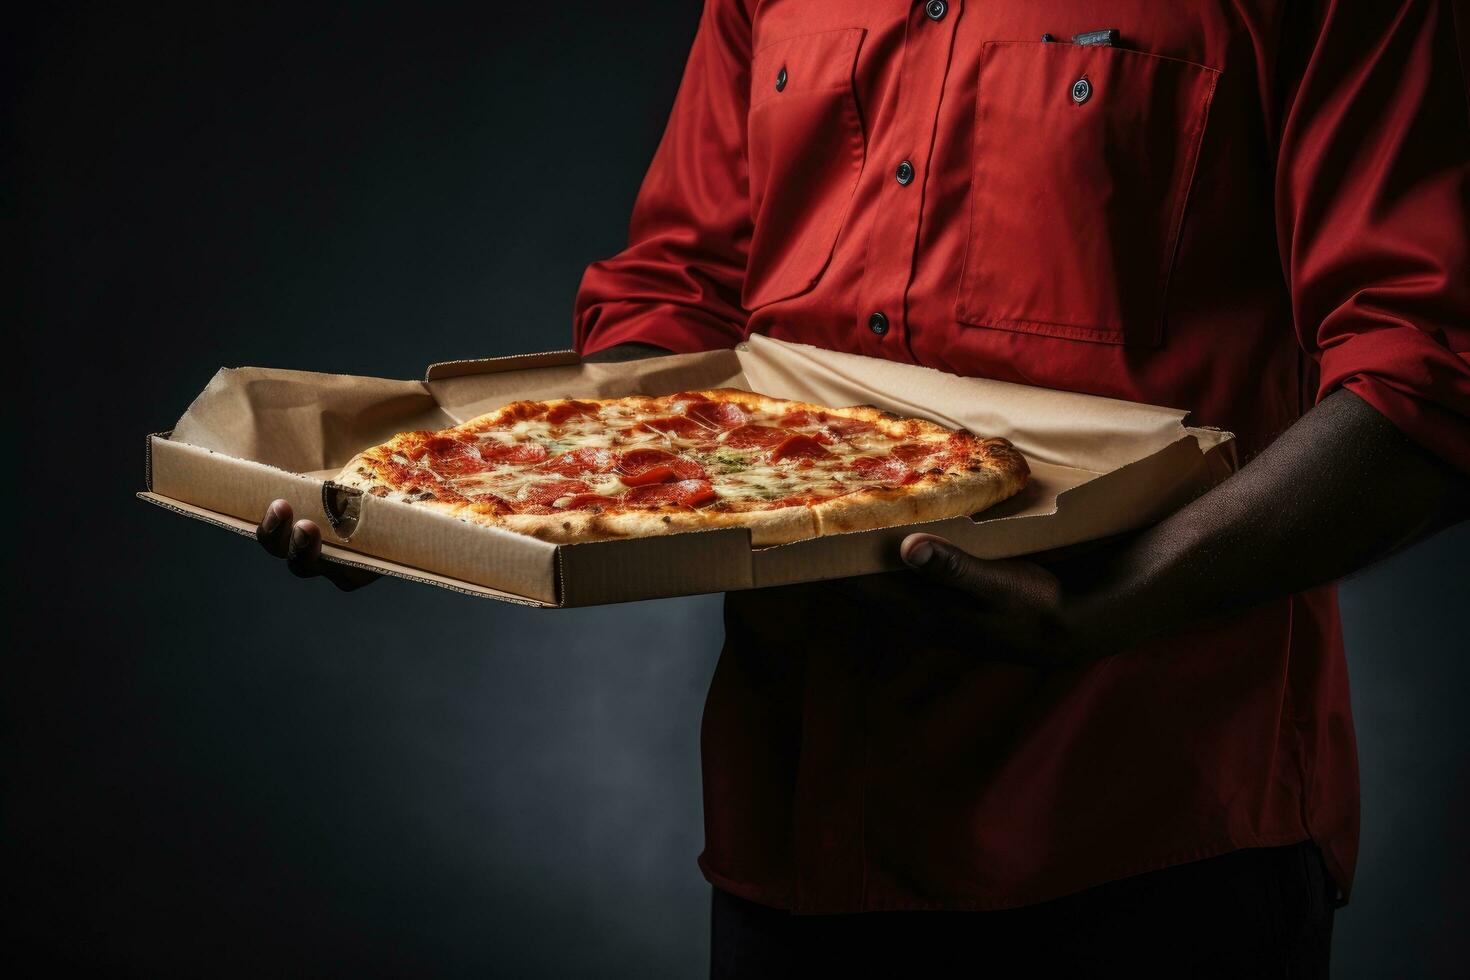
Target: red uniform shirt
column 1236, row 208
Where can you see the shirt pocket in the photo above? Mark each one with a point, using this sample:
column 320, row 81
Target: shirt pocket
column 805, row 154
column 1084, row 156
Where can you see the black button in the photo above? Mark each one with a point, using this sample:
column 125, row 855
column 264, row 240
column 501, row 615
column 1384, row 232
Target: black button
column 905, row 173
column 781, row 79
column 1081, row 91
column 878, row 323
column 936, row 9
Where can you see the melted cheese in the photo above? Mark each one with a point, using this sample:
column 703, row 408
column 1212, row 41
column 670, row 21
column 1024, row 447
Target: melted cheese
column 739, row 475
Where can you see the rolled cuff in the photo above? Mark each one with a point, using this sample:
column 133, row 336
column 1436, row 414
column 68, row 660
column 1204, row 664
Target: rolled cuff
column 669, row 326
column 1416, row 382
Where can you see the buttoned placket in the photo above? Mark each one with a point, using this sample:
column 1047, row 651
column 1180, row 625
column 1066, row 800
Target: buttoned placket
column 901, row 156
column 829, row 808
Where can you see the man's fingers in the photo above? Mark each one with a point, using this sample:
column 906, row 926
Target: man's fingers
column 301, row 545
column 1002, row 580
column 939, row 561
column 274, row 530
column 304, row 550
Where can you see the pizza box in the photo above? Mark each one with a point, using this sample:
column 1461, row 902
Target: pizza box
column 1099, row 467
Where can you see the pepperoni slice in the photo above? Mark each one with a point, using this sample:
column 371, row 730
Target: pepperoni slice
column 589, row 501
column 638, row 460
column 536, row 494
column 912, row 452
column 514, row 452
column 957, row 452
column 798, row 420
column 569, row 410
column 798, row 446
column 684, row 428
column 518, row 411
column 884, row 469
column 575, row 462
column 826, row 428
column 747, row 436
column 491, row 503
column 640, row 467
column 846, row 427
column 963, row 442
column 451, row 457
column 721, row 415
column 685, row 493
column 682, row 470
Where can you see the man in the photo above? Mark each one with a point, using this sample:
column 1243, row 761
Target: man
column 1140, row 756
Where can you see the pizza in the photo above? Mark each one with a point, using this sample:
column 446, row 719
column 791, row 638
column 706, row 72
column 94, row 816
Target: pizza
column 572, row 470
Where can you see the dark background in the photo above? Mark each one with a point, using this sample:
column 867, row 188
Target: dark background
column 211, row 768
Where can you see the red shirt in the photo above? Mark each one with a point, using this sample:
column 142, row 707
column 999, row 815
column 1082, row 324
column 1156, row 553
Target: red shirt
column 1237, row 208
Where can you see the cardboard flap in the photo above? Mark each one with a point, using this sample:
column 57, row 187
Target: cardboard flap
column 469, row 388
column 240, row 488
column 426, row 538
column 1079, row 431
column 301, row 420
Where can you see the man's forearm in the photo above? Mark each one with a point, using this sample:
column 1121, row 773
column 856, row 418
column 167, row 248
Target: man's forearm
column 1340, row 489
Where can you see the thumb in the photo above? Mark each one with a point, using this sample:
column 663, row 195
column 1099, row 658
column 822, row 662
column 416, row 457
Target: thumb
column 937, row 560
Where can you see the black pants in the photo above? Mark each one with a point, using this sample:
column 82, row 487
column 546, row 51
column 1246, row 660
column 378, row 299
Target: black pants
column 1260, row 913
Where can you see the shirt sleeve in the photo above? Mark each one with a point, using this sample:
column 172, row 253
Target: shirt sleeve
column 677, row 284
column 1373, row 192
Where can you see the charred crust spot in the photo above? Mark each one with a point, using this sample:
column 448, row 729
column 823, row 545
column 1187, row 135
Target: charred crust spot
column 566, row 525
column 379, row 491
column 668, row 519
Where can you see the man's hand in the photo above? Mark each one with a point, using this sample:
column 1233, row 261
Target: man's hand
column 301, row 545
column 1337, row 491
column 1016, row 610
column 1012, row 610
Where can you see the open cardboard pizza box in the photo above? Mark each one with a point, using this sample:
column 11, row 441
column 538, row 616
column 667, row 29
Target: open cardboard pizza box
column 1099, row 467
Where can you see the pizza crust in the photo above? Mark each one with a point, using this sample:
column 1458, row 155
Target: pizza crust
column 767, row 527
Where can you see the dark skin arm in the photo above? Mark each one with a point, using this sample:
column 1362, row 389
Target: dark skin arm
column 1340, row 489
column 300, row 542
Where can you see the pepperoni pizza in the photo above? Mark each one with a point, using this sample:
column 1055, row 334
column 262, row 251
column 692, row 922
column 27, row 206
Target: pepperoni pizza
column 573, row 470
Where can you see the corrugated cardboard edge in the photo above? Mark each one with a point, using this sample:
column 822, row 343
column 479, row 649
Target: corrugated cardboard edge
column 343, row 556
column 148, row 456
column 494, row 365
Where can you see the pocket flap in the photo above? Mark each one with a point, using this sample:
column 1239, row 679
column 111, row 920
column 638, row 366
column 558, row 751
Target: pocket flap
column 810, row 63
